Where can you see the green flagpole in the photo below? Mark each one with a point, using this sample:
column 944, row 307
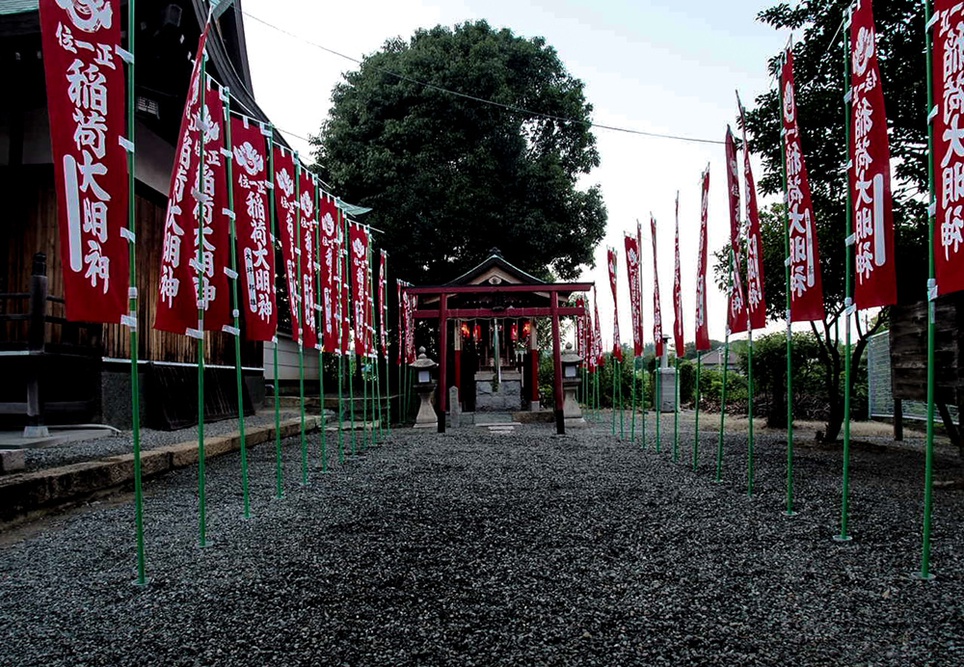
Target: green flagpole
column 676, row 415
column 298, row 303
column 279, row 472
column 341, row 344
column 726, row 364
column 786, row 248
column 351, row 357
column 202, row 508
column 656, row 403
column 632, row 430
column 925, row 572
column 749, row 384
column 615, row 372
column 642, row 384
column 323, row 426
column 843, row 536
column 696, row 439
column 236, row 314
column 132, row 305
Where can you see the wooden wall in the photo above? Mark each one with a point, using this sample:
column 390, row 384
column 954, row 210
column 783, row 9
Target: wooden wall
column 908, row 350
column 28, row 224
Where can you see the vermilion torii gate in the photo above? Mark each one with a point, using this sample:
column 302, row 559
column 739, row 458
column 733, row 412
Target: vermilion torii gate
column 497, row 290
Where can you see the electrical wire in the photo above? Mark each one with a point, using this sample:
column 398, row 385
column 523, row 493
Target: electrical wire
column 481, row 100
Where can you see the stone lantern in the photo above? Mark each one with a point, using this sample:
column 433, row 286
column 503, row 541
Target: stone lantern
column 425, row 386
column 571, row 411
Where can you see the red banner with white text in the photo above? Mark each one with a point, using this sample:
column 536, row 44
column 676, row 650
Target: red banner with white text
column 617, row 347
column 755, row 298
column 309, row 258
column 736, row 306
column 286, row 211
column 383, row 302
column 196, row 248
column 806, row 287
column 255, row 250
column 657, row 310
column 678, row 336
column 870, row 169
column 635, row 296
column 597, row 348
column 948, row 153
column 85, row 95
column 358, row 251
column 702, row 330
column 328, row 258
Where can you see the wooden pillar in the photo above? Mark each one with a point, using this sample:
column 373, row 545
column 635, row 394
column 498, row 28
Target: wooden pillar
column 534, row 361
column 443, row 341
column 898, row 420
column 458, row 357
column 557, row 365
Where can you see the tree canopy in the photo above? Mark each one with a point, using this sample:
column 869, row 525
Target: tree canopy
column 448, row 175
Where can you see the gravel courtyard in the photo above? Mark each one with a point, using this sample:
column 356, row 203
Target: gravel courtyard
column 479, row 548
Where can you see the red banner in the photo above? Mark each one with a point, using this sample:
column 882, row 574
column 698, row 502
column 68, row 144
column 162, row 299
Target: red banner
column 736, row 306
column 635, row 297
column 309, row 257
column 702, row 331
column 597, row 349
column 383, row 303
column 85, row 100
column 286, row 210
column 756, row 301
column 406, row 323
column 358, row 251
column 948, row 153
column 581, row 346
column 657, row 310
column 328, row 252
column 401, row 321
column 255, row 250
column 193, row 274
column 617, row 348
column 678, row 336
column 806, row 290
column 870, row 170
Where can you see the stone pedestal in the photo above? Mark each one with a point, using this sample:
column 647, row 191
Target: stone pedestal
column 504, row 396
column 667, row 389
column 426, row 417
column 571, row 411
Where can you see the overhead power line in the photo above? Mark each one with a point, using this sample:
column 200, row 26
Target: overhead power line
column 482, row 100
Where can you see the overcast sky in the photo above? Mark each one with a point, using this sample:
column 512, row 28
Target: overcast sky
column 660, row 66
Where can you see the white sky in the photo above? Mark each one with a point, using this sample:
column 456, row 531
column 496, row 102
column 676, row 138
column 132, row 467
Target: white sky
column 654, row 65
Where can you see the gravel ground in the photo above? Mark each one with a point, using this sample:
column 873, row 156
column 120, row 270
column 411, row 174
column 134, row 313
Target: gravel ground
column 472, row 548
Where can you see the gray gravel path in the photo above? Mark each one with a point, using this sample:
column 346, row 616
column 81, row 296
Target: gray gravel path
column 484, row 549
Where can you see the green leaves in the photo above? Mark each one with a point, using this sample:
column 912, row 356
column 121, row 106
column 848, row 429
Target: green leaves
column 449, row 176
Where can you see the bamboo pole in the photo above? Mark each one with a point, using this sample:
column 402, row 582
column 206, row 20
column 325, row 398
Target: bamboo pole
column 750, row 463
column 132, row 305
column 657, row 408
column 843, row 536
column 235, row 312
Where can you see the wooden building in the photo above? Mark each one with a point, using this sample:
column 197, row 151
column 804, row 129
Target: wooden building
column 84, row 369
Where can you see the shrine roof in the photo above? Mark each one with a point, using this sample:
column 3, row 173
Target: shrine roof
column 495, row 270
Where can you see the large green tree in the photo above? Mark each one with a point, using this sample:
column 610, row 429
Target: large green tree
column 411, row 134
column 818, row 64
